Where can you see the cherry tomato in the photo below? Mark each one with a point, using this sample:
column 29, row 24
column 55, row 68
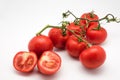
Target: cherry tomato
column 74, row 47
column 49, row 63
column 25, row 61
column 39, row 44
column 93, row 57
column 96, row 36
column 58, row 39
column 76, row 28
column 89, row 16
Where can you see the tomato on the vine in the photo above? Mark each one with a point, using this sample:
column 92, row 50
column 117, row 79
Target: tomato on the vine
column 74, row 47
column 90, row 16
column 58, row 38
column 96, row 34
column 39, row 44
column 93, row 57
column 74, row 27
column 49, row 63
column 25, row 61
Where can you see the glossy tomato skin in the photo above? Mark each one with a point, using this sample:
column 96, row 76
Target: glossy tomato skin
column 25, row 61
column 96, row 36
column 59, row 40
column 49, row 63
column 74, row 27
column 74, row 47
column 39, row 44
column 93, row 57
column 89, row 17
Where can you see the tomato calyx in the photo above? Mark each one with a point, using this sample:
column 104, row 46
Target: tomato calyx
column 92, row 14
column 97, row 27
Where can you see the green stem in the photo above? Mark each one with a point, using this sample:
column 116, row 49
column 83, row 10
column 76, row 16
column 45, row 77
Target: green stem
column 72, row 14
column 48, row 26
column 113, row 19
column 66, row 14
column 92, row 14
column 80, row 39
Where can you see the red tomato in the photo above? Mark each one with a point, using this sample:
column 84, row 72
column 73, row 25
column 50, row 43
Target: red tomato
column 96, row 36
column 76, row 28
column 93, row 57
column 24, row 61
column 49, row 63
column 59, row 41
column 89, row 16
column 39, row 44
column 74, row 47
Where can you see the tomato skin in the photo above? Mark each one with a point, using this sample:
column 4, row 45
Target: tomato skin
column 96, row 36
column 74, row 47
column 76, row 28
column 59, row 41
column 25, row 61
column 39, row 44
column 93, row 57
column 49, row 63
column 88, row 16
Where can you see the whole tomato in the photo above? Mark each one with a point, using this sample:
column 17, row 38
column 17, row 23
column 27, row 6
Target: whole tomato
column 24, row 61
column 74, row 47
column 90, row 16
column 74, row 27
column 49, row 63
column 93, row 57
column 57, row 37
column 39, row 44
column 96, row 36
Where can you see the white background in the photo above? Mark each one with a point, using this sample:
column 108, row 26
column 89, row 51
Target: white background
column 20, row 20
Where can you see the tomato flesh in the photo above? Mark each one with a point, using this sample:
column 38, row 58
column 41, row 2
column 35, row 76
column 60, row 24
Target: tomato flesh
column 25, row 61
column 49, row 63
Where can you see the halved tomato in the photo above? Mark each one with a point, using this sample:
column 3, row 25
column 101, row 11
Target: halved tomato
column 49, row 63
column 24, row 61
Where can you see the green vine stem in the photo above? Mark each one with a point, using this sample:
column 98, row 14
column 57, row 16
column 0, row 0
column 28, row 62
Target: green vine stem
column 92, row 14
column 80, row 39
column 48, row 26
column 63, row 28
column 113, row 19
column 66, row 14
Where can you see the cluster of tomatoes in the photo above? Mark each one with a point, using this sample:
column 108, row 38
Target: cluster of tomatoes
column 80, row 38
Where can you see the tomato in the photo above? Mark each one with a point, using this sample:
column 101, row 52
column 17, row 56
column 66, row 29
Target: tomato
column 96, row 36
column 49, row 63
column 93, row 57
column 74, row 27
column 39, row 44
column 58, row 39
column 89, row 16
column 25, row 61
column 74, row 47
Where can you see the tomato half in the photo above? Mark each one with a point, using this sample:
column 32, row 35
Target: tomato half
column 24, row 61
column 93, row 57
column 49, row 63
column 39, row 44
